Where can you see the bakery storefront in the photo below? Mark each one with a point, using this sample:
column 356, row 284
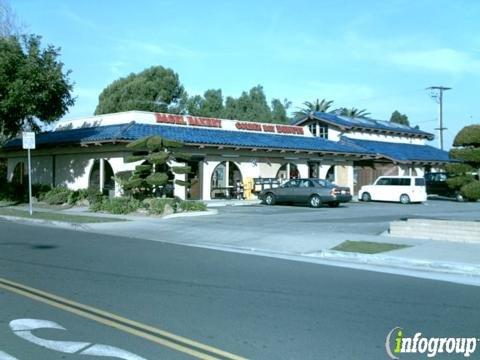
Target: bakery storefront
column 226, row 154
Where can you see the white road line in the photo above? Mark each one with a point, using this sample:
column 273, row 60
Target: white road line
column 5, row 356
column 23, row 328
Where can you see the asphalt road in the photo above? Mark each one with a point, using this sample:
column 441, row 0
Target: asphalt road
column 251, row 306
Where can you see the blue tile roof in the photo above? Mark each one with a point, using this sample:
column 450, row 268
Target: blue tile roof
column 73, row 136
column 400, row 152
column 370, row 124
column 190, row 135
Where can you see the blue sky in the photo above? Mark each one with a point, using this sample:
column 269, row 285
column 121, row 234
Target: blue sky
column 377, row 55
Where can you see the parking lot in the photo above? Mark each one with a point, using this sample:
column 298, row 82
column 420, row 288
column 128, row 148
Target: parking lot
column 354, row 217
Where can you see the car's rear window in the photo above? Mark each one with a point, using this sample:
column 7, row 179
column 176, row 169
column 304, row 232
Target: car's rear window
column 324, row 183
column 419, row 182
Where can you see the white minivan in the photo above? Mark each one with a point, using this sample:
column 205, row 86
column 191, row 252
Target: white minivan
column 405, row 189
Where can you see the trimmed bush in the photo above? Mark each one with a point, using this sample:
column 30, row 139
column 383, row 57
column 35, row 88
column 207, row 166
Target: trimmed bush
column 91, row 195
column 119, row 205
column 154, row 143
column 471, row 191
column 192, row 205
column 57, row 196
column 157, row 179
column 156, row 206
column 40, row 190
column 13, row 192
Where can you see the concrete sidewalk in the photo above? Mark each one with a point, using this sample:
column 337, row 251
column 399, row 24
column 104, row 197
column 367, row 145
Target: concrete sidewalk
column 453, row 261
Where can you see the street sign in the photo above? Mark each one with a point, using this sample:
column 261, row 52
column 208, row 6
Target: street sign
column 28, row 140
column 28, row 143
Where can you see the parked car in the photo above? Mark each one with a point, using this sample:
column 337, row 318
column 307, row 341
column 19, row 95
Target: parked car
column 437, row 185
column 405, row 189
column 314, row 192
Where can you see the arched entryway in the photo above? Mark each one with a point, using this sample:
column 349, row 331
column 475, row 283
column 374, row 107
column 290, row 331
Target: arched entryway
column 224, row 179
column 288, row 171
column 330, row 176
column 101, row 176
column 20, row 175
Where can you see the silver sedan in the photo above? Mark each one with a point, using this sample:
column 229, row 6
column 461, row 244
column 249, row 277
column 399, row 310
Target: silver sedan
column 314, row 192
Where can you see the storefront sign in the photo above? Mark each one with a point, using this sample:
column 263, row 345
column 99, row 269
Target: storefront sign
column 187, row 120
column 280, row 129
column 205, row 122
column 219, row 124
column 170, row 119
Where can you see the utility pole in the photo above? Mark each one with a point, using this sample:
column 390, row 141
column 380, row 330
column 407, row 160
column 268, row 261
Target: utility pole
column 436, row 92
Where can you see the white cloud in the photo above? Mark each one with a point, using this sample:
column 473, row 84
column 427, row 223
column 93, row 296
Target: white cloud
column 442, row 60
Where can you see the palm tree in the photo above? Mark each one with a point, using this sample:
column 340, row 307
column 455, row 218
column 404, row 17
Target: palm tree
column 354, row 113
column 309, row 107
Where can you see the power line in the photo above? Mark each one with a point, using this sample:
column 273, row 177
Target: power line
column 436, row 92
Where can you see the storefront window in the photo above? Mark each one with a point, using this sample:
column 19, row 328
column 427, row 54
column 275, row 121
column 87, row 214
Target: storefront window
column 288, row 171
column 108, row 181
column 331, row 174
column 224, row 180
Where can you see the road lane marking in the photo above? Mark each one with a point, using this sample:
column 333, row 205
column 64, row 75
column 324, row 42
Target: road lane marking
column 24, row 327
column 5, row 356
column 159, row 336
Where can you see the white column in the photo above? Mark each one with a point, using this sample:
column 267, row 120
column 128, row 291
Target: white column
column 288, row 171
column 102, row 174
column 179, row 190
column 227, row 180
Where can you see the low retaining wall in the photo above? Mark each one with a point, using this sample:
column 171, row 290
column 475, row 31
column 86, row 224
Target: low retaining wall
column 449, row 230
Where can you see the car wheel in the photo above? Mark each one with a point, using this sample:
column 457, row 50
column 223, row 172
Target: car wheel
column 334, row 204
column 315, row 201
column 270, row 199
column 405, row 199
column 366, row 197
column 459, row 197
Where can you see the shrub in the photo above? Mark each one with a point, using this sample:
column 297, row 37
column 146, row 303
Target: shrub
column 13, row 192
column 156, row 206
column 191, row 205
column 90, row 194
column 471, row 191
column 120, row 205
column 40, row 190
column 57, row 196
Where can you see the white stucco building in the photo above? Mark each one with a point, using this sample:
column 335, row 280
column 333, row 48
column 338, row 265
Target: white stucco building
column 352, row 152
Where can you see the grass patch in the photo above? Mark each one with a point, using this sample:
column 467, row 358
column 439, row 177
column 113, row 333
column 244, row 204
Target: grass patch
column 367, row 247
column 43, row 215
column 4, row 203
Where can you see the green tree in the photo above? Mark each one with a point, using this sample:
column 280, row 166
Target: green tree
column 210, row 105
column 354, row 112
column 34, row 88
column 279, row 111
column 250, row 106
column 154, row 89
column 316, row 106
column 151, row 177
column 467, row 151
column 399, row 118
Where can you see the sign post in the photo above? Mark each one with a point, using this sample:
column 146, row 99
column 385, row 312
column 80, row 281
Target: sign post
column 29, row 143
